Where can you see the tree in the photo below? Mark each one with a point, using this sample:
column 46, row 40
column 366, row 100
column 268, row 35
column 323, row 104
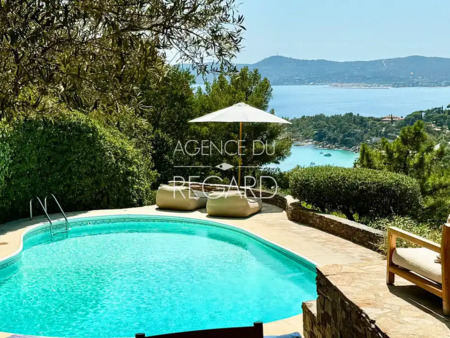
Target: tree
column 437, row 192
column 245, row 86
column 171, row 106
column 347, row 130
column 414, row 154
column 93, row 53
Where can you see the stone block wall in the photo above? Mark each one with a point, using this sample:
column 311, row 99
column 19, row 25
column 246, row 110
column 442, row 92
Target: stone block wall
column 333, row 315
column 311, row 328
column 338, row 226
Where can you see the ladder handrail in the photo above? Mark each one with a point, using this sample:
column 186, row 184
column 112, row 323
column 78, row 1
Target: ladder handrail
column 59, row 206
column 42, row 206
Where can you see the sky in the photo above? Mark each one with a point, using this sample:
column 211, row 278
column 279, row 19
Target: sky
column 344, row 30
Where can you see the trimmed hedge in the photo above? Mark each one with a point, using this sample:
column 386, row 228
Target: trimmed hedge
column 86, row 165
column 366, row 192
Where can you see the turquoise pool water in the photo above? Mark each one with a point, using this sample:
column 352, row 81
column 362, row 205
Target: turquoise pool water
column 118, row 276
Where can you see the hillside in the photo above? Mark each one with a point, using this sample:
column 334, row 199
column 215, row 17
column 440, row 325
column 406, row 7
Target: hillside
column 349, row 130
column 409, row 71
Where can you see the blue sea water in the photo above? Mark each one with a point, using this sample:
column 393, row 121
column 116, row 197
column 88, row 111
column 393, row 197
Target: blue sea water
column 153, row 277
column 310, row 155
column 296, row 101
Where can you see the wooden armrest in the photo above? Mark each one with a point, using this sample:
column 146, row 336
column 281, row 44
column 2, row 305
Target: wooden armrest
column 396, row 232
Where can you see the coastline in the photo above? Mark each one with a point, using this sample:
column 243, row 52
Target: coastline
column 353, row 85
column 359, row 86
column 325, row 145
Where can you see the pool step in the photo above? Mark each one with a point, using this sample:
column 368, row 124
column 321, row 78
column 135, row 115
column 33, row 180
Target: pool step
column 64, row 232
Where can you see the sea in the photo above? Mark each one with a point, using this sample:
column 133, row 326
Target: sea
column 310, row 155
column 297, row 101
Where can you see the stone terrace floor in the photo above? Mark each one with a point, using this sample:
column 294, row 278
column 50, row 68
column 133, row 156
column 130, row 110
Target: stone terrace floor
column 402, row 310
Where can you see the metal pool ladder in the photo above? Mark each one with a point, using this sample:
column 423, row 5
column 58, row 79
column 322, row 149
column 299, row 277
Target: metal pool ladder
column 44, row 208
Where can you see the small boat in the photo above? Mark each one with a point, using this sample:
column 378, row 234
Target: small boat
column 327, row 155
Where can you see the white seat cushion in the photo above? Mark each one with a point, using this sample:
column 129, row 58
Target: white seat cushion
column 420, row 261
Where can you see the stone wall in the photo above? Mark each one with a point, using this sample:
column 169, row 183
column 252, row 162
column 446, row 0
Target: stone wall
column 341, row 227
column 311, row 328
column 333, row 315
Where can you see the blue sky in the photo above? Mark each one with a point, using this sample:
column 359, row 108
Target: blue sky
column 345, row 29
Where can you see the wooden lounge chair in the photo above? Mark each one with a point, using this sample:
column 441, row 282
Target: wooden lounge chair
column 255, row 331
column 421, row 265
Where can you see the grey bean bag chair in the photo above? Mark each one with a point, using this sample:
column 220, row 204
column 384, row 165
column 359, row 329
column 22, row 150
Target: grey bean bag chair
column 179, row 198
column 232, row 204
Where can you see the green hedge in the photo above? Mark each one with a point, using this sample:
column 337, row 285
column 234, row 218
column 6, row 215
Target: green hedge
column 84, row 164
column 366, row 192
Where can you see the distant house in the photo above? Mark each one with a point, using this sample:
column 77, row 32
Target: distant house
column 391, row 118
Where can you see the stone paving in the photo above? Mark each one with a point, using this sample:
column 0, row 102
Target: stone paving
column 400, row 311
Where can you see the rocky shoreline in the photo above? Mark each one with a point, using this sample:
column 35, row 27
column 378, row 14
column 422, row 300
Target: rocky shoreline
column 325, row 145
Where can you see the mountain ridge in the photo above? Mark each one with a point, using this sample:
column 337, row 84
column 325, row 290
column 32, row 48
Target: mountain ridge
column 409, row 71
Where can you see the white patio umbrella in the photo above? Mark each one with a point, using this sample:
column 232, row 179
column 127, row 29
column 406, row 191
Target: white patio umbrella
column 240, row 112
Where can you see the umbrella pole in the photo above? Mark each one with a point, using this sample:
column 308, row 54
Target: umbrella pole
column 240, row 155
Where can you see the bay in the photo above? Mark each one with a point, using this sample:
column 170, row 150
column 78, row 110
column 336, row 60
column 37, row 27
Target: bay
column 296, row 101
column 309, row 155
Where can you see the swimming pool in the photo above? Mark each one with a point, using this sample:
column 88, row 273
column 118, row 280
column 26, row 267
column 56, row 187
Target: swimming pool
column 117, row 275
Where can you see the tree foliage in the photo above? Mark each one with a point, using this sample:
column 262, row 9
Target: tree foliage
column 101, row 71
column 94, row 53
column 439, row 117
column 264, row 142
column 350, row 130
column 415, row 154
column 412, row 154
column 347, row 130
column 106, row 67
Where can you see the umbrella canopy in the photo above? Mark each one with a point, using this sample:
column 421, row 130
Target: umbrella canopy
column 240, row 112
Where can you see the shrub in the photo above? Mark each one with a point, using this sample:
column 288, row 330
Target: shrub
column 278, row 179
column 366, row 192
column 431, row 231
column 86, row 165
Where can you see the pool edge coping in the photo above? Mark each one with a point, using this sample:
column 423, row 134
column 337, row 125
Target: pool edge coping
column 301, row 259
